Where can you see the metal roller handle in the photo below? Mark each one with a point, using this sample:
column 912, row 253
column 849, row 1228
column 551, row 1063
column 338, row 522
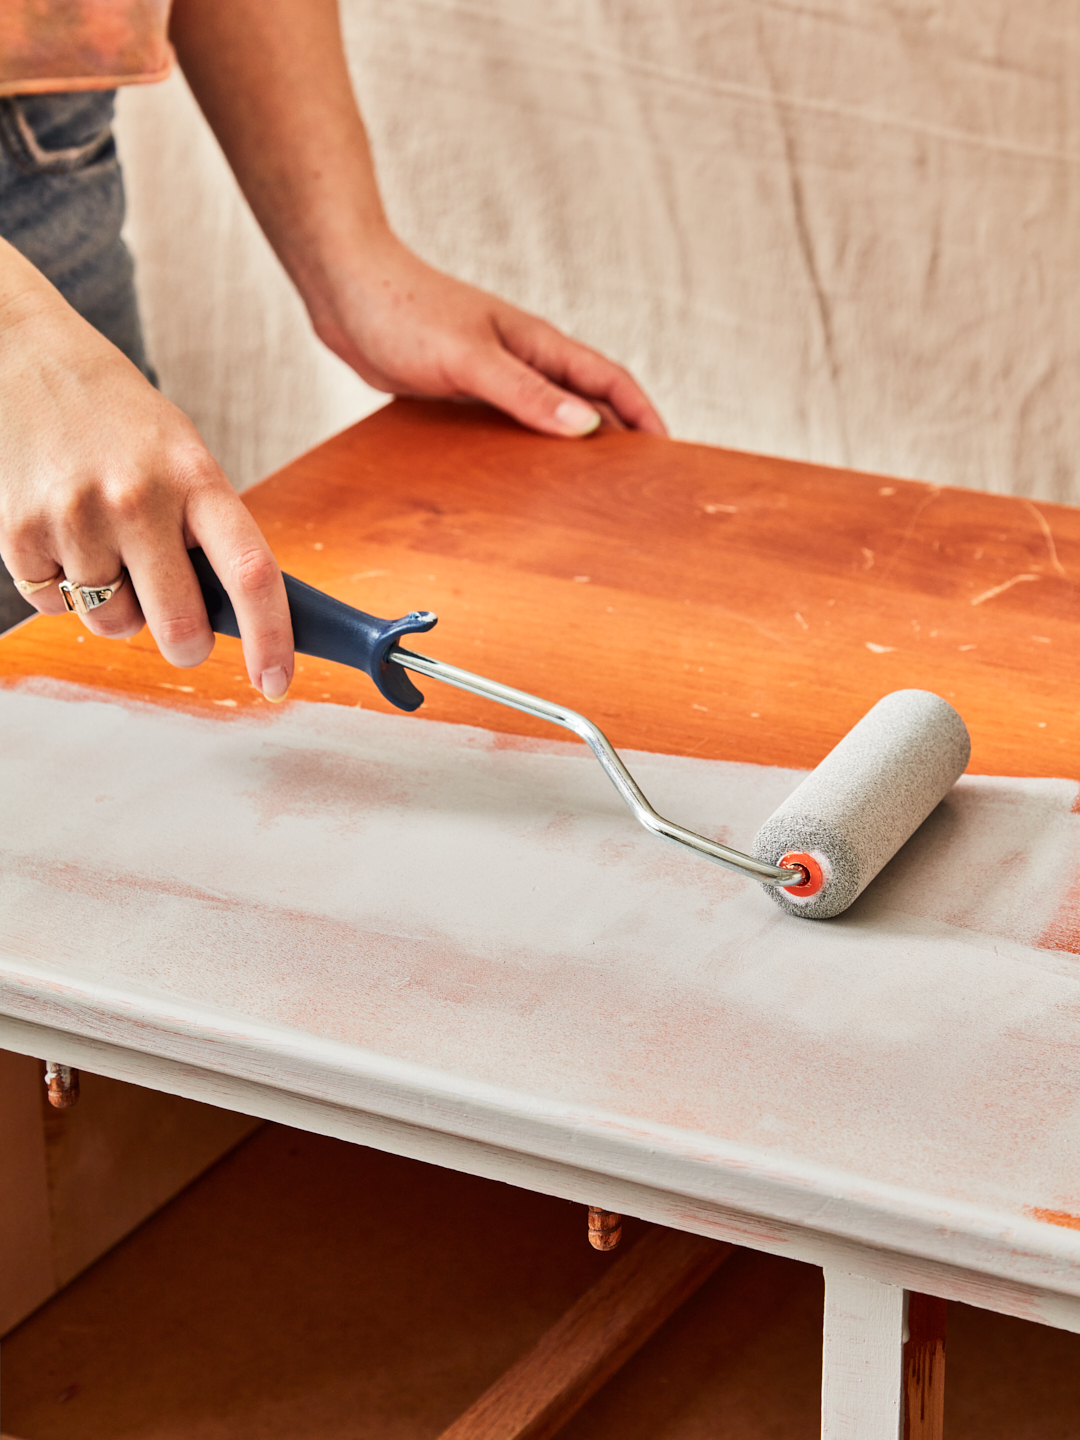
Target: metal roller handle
column 605, row 752
column 333, row 630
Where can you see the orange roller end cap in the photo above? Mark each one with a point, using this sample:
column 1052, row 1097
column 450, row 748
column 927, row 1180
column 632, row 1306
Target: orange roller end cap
column 815, row 878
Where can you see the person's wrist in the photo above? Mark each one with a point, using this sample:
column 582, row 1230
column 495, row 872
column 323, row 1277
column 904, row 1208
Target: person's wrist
column 338, row 279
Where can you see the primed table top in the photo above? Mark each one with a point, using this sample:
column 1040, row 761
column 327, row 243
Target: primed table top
column 462, row 929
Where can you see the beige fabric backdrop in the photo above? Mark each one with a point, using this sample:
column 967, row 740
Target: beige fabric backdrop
column 840, row 230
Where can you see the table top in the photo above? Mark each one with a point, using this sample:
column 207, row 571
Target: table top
column 462, row 927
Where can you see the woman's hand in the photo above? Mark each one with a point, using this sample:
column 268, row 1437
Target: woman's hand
column 99, row 473
column 407, row 328
column 271, row 78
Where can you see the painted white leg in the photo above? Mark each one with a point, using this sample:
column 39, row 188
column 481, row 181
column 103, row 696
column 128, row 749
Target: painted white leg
column 862, row 1362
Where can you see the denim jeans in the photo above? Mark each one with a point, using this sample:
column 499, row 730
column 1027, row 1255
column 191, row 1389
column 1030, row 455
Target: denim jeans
column 62, row 206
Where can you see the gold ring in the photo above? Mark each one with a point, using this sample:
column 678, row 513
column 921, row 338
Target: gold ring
column 83, row 598
column 30, row 587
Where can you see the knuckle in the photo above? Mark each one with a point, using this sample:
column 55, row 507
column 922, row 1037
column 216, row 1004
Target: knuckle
column 181, row 631
column 130, row 499
column 255, row 571
column 532, row 385
column 114, row 627
column 196, row 469
column 23, row 539
column 528, row 390
column 459, row 369
column 73, row 512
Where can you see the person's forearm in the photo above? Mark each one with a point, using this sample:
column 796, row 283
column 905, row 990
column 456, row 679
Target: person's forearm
column 270, row 77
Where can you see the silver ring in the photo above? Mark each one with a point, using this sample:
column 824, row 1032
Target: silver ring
column 81, row 599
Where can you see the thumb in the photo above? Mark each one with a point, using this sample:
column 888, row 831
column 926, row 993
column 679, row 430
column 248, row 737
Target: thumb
column 503, row 380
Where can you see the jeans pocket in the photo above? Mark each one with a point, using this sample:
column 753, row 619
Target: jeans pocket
column 32, row 147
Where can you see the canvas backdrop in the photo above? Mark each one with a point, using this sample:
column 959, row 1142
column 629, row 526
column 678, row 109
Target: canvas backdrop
column 839, row 230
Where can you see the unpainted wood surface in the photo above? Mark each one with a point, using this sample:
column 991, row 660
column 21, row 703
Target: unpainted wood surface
column 691, row 600
column 73, row 1182
column 924, row 1368
column 604, row 1228
column 27, row 1276
column 117, row 1156
column 597, row 1335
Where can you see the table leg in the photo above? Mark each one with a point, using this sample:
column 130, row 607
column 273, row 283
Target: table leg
column 883, row 1361
column 924, row 1368
column 862, row 1360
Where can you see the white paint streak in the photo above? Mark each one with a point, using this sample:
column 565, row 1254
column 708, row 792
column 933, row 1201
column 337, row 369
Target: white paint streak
column 1000, row 589
column 880, row 649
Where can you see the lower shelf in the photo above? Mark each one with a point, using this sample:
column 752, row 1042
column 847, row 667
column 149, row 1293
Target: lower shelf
column 309, row 1288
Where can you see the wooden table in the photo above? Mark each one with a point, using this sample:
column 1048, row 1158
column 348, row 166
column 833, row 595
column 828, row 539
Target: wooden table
column 455, row 945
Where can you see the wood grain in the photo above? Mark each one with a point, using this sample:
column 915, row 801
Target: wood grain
column 924, row 1368
column 75, row 1181
column 597, row 1335
column 691, row 600
column 27, row 1275
column 605, row 1228
column 121, row 1154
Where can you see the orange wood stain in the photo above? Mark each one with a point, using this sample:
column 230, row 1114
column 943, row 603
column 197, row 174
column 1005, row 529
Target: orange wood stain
column 924, row 1368
column 689, row 599
column 1063, row 932
column 1056, row 1217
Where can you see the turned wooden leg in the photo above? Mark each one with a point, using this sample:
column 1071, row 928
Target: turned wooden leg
column 63, row 1083
column 605, row 1229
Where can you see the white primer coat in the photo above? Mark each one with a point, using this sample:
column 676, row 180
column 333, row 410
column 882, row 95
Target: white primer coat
column 862, row 1360
column 467, row 933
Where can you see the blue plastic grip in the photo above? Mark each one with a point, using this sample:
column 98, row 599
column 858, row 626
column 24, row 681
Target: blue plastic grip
column 329, row 629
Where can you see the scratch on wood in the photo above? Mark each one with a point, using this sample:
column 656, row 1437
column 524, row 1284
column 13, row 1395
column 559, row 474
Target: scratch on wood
column 1048, row 536
column 1000, row 589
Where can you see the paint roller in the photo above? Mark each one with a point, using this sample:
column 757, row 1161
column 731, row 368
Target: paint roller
column 815, row 854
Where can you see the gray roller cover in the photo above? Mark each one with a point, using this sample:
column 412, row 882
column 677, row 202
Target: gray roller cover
column 869, row 795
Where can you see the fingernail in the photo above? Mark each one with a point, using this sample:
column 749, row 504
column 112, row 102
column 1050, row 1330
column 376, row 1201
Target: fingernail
column 275, row 684
column 574, row 417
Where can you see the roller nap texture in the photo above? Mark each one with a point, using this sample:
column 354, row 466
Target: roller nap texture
column 869, row 795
